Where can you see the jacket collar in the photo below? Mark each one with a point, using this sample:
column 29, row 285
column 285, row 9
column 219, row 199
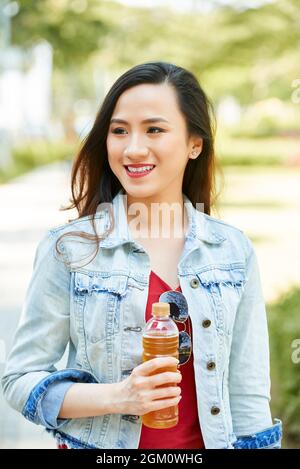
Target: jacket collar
column 199, row 224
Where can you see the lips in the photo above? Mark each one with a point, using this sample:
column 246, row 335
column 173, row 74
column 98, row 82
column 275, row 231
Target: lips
column 138, row 174
column 138, row 165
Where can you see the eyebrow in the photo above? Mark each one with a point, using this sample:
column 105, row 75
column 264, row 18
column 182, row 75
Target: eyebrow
column 145, row 121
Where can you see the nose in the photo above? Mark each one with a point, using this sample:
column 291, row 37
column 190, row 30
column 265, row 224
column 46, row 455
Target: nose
column 135, row 151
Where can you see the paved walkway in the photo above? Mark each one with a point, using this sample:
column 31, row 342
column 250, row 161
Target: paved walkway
column 264, row 204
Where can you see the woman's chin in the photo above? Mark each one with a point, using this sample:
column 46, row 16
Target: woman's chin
column 139, row 192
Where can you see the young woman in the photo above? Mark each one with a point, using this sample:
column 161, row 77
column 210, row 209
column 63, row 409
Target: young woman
column 95, row 278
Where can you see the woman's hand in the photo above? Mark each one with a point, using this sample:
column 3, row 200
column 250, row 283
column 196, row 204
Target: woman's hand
column 147, row 389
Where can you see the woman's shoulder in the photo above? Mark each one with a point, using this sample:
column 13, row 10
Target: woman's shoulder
column 230, row 234
column 82, row 224
column 221, row 225
column 54, row 237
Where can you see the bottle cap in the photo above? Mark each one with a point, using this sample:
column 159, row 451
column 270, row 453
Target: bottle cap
column 160, row 309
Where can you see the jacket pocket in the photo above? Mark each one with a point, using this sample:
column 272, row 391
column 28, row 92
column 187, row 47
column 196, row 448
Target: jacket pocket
column 224, row 285
column 99, row 300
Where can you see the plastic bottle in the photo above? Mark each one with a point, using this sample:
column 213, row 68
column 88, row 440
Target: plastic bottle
column 161, row 338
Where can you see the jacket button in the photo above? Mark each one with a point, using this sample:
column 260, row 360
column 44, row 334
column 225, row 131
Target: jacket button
column 215, row 410
column 206, row 323
column 194, row 283
column 211, row 365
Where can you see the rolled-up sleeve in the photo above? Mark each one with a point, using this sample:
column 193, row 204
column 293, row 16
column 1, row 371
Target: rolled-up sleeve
column 50, row 404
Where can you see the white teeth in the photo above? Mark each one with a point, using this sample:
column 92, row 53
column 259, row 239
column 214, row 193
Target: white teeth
column 140, row 170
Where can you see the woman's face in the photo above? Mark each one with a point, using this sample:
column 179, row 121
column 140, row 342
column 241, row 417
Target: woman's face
column 162, row 142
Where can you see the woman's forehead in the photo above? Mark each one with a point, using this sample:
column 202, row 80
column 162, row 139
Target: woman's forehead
column 147, row 101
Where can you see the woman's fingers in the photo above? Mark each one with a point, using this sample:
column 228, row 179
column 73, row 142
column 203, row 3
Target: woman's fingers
column 151, row 366
column 165, row 393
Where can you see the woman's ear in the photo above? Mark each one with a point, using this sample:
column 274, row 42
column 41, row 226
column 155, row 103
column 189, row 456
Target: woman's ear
column 196, row 148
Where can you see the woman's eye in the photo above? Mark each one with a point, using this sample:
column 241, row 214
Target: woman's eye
column 155, row 128
column 118, row 130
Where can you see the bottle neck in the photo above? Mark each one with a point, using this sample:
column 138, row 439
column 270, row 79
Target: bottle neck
column 161, row 318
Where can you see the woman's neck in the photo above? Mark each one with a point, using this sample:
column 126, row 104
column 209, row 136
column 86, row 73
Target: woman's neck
column 156, row 218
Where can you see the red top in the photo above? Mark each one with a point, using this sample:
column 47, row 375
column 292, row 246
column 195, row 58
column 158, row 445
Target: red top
column 187, row 433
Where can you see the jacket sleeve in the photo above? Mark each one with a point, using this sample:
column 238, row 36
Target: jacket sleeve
column 42, row 334
column 51, row 402
column 249, row 369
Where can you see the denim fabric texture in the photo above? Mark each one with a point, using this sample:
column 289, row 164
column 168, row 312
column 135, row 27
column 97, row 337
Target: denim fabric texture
column 97, row 309
column 267, row 439
column 50, row 404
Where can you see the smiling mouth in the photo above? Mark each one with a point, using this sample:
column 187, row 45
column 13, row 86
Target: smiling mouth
column 139, row 171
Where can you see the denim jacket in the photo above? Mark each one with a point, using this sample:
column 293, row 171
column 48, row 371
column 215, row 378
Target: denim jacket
column 98, row 310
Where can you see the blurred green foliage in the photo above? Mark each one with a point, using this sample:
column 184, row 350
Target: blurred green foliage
column 251, row 53
column 268, row 118
column 284, row 328
column 255, row 152
column 75, row 29
column 34, row 154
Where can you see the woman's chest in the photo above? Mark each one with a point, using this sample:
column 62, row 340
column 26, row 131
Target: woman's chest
column 109, row 300
column 164, row 257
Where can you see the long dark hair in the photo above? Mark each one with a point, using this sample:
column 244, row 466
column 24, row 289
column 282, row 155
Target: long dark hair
column 92, row 180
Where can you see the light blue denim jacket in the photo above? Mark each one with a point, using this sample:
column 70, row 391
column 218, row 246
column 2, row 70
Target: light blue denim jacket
column 98, row 309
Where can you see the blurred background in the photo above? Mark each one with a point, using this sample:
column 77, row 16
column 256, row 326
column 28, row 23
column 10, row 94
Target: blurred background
column 58, row 58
